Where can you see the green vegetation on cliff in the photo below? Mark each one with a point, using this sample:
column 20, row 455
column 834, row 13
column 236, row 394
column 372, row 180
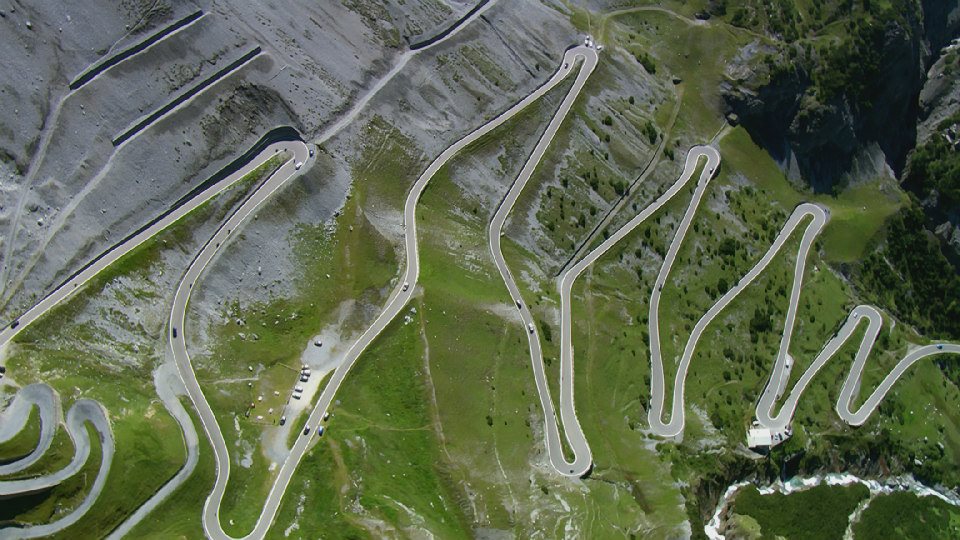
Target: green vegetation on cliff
column 935, row 168
column 911, row 276
column 819, row 513
column 904, row 515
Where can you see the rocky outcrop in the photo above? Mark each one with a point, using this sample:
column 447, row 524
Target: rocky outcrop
column 780, row 97
column 938, row 146
column 940, row 97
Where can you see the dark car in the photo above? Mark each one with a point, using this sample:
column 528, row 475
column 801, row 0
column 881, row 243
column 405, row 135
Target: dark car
column 306, row 431
column 174, row 332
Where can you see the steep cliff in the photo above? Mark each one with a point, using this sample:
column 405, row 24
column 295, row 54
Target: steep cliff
column 824, row 104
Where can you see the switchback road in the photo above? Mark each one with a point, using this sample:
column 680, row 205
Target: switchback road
column 583, row 459
column 817, row 218
column 82, row 412
column 396, row 302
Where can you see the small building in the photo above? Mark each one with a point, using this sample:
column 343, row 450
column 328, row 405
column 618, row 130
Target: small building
column 760, row 438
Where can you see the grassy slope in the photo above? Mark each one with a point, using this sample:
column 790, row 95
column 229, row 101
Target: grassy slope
column 180, row 515
column 485, row 388
column 359, row 261
column 24, row 442
column 478, row 369
column 378, row 466
column 57, row 457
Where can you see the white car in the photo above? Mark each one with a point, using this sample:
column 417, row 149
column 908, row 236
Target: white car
column 298, row 165
column 530, row 327
column 406, row 285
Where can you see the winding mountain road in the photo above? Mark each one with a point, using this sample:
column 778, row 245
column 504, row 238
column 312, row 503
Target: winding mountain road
column 14, row 419
column 817, row 219
column 177, row 343
column 82, row 412
column 583, row 459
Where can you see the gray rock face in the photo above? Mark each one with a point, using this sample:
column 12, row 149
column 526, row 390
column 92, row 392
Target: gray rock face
column 939, row 102
column 823, row 139
column 940, row 97
column 67, row 193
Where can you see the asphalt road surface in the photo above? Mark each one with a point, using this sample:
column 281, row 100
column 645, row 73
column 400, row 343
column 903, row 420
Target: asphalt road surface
column 14, row 419
column 583, row 459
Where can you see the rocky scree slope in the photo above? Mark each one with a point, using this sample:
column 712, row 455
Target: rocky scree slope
column 68, row 193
